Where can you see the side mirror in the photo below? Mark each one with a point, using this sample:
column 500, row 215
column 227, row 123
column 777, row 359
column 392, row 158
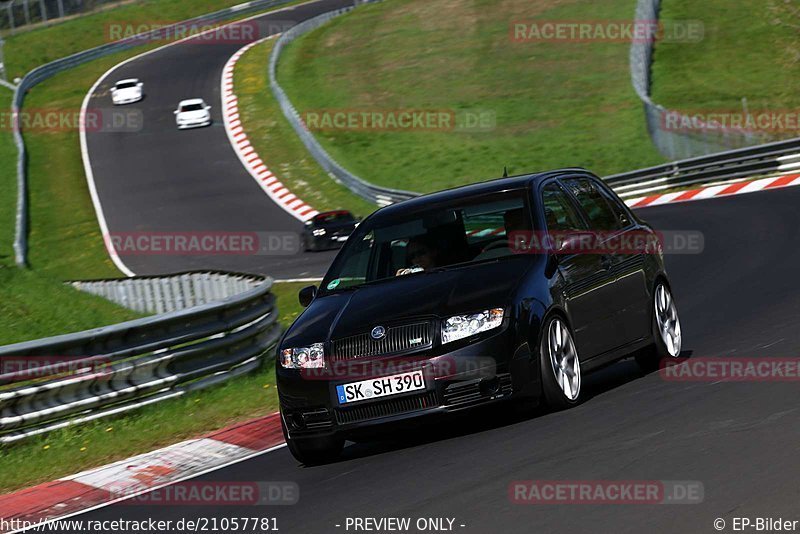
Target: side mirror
column 208, row 108
column 140, row 84
column 306, row 295
column 176, row 111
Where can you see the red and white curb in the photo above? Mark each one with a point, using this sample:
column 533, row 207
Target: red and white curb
column 723, row 190
column 138, row 475
column 278, row 192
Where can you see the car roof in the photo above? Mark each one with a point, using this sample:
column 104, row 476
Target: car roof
column 191, row 101
column 521, row 181
column 128, row 80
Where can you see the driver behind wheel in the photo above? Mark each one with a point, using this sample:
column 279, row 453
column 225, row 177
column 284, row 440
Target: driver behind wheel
column 421, row 254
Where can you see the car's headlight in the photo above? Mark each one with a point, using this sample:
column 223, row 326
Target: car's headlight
column 318, row 232
column 303, row 357
column 461, row 326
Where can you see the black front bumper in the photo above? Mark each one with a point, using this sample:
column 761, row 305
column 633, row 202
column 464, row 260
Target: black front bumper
column 472, row 374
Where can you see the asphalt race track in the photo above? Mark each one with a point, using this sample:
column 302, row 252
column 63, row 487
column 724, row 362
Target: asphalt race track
column 737, row 298
column 162, row 180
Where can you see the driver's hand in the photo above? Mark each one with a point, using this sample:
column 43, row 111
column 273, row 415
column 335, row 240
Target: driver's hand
column 409, row 270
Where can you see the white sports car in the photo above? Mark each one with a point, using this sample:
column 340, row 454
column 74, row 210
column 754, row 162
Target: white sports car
column 126, row 92
column 193, row 113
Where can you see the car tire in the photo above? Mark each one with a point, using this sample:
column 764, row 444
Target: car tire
column 666, row 330
column 559, row 365
column 313, row 451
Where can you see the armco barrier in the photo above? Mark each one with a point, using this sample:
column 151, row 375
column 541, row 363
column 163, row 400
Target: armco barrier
column 676, row 144
column 374, row 193
column 56, row 382
column 44, row 72
column 771, row 158
column 161, row 294
column 777, row 158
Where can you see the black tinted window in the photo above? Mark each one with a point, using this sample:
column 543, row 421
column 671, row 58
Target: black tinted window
column 598, row 211
column 559, row 212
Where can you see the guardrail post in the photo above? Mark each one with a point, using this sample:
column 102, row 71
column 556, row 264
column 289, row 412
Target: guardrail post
column 43, row 10
column 117, row 368
column 10, row 9
column 3, row 74
column 61, row 8
column 27, row 11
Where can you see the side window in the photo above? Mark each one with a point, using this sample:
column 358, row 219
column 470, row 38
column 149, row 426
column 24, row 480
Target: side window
column 559, row 212
column 597, row 209
column 619, row 211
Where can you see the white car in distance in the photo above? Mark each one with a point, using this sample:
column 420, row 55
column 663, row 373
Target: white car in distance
column 127, row 92
column 193, row 113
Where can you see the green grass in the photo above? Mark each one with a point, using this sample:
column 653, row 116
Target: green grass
column 35, row 47
column 278, row 144
column 68, row 451
column 71, row 450
column 65, row 243
column 751, row 49
column 288, row 303
column 8, row 183
column 65, row 239
column 34, row 305
column 556, row 103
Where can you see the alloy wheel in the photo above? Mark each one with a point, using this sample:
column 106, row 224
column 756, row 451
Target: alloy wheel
column 564, row 359
column 669, row 326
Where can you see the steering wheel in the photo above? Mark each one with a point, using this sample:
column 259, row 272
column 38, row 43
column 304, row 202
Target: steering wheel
column 494, row 245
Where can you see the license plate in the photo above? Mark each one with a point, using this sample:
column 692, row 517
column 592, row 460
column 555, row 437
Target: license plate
column 380, row 387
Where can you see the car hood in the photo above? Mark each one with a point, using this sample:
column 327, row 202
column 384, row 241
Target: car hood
column 405, row 298
column 193, row 115
column 130, row 92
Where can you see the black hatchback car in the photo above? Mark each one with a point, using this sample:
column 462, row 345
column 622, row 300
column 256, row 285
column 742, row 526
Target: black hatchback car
column 327, row 230
column 507, row 289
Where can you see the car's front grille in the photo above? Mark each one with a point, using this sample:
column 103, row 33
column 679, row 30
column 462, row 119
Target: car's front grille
column 398, row 339
column 385, row 408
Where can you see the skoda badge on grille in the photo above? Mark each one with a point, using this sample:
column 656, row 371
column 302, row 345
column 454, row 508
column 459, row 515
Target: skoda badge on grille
column 378, row 332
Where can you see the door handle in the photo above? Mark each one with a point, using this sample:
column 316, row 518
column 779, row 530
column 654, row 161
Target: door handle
column 606, row 263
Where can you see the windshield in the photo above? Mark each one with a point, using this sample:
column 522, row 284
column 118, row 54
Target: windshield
column 469, row 231
column 126, row 85
column 192, row 107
